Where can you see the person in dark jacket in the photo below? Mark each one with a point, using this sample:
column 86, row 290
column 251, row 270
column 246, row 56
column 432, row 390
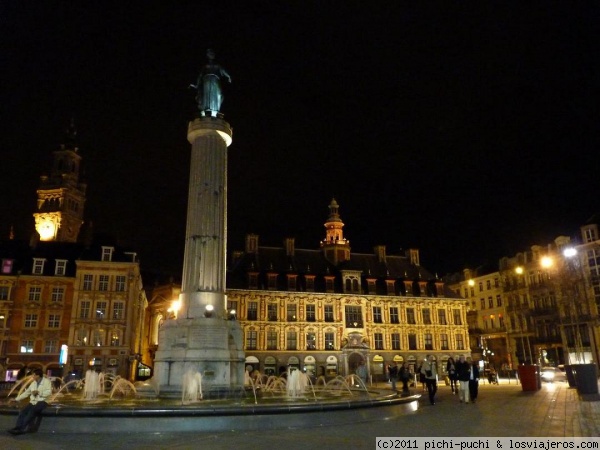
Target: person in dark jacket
column 463, row 373
column 451, row 371
column 474, row 381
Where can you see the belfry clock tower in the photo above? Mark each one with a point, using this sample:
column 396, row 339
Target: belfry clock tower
column 61, row 196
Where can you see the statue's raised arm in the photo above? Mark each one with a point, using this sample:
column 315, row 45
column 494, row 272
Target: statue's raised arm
column 210, row 96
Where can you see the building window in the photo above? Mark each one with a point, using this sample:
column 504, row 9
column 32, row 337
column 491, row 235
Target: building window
column 272, row 281
column 354, row 317
column 394, row 317
column 426, row 316
column 428, row 338
column 311, row 341
column 291, row 340
column 107, row 253
column 82, row 337
column 395, row 341
column 329, row 284
column 61, row 267
column 31, row 320
column 253, row 311
column 272, row 311
column 271, row 340
column 103, row 283
column 490, row 302
column 328, row 313
column 482, row 300
column 252, row 281
column 292, row 311
column 27, row 346
column 310, row 313
column 371, row 286
column 329, row 341
column 7, row 265
column 88, row 282
column 232, row 306
column 410, row 316
column 35, row 293
column 58, row 294
column 391, row 287
column 4, row 292
column 120, row 283
column 251, row 339
column 310, row 284
column 460, row 345
column 118, row 312
column 115, row 338
column 481, row 286
column 101, row 310
column 412, row 341
column 444, row 341
column 291, row 282
column 498, row 300
column 98, row 337
column 51, row 346
column 457, row 317
column 377, row 314
column 84, row 309
column 488, row 284
column 378, row 341
column 442, row 317
column 38, row 266
column 53, row 320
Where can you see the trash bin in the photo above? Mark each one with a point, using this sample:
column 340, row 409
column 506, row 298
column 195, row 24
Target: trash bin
column 528, row 375
column 586, row 378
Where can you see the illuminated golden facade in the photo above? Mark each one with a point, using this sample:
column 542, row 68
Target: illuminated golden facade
column 325, row 310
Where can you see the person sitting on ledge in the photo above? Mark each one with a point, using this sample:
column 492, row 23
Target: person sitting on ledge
column 38, row 392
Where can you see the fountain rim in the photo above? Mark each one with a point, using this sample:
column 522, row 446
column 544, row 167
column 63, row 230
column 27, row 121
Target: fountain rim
column 208, row 408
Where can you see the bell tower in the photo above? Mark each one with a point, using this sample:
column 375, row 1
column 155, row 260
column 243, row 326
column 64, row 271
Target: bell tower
column 335, row 247
column 61, row 196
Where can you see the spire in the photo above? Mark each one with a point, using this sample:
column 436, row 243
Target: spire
column 335, row 246
column 70, row 142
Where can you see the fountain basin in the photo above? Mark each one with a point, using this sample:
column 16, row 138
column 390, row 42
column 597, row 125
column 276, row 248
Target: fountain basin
column 165, row 416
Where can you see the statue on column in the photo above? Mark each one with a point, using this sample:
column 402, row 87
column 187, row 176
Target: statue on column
column 208, row 86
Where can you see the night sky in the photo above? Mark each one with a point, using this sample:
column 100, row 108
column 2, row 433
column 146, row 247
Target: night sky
column 469, row 130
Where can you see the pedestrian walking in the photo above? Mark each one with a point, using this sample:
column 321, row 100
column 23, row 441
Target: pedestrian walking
column 428, row 369
column 474, row 381
column 451, row 371
column 463, row 372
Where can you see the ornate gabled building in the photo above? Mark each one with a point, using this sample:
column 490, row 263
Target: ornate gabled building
column 325, row 310
column 82, row 302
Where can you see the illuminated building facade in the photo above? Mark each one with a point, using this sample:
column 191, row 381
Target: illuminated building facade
column 327, row 309
column 549, row 298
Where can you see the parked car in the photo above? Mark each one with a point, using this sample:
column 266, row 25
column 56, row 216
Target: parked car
column 551, row 374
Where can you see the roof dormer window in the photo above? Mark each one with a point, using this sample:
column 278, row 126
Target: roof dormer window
column 107, row 253
column 38, row 266
column 61, row 267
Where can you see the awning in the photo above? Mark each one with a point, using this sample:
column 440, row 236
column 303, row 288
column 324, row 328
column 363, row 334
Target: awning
column 251, row 359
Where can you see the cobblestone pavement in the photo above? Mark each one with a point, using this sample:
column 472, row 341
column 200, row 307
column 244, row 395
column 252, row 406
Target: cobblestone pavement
column 500, row 410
